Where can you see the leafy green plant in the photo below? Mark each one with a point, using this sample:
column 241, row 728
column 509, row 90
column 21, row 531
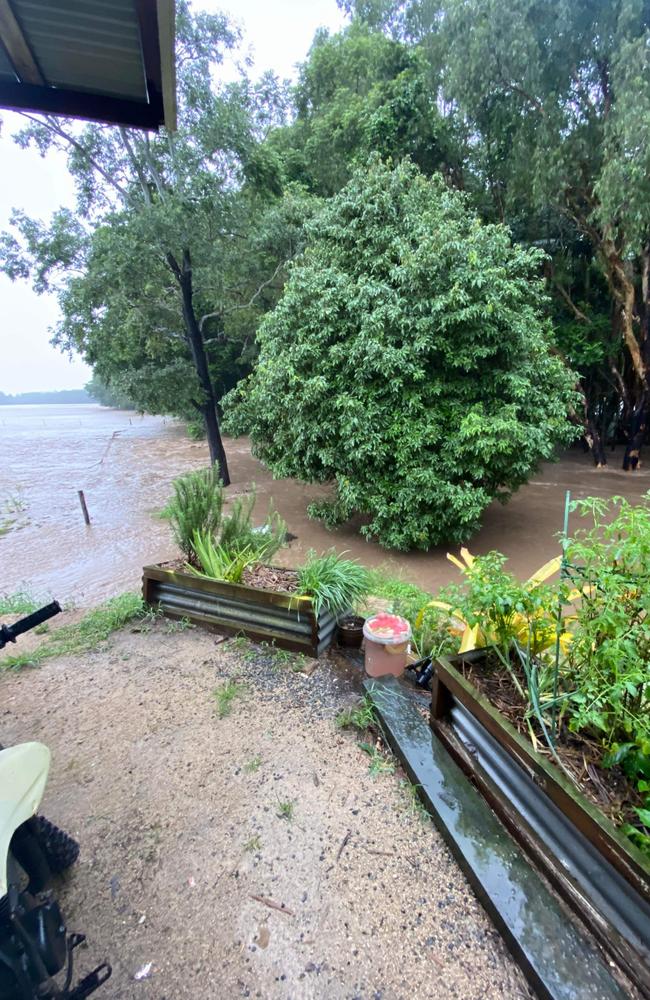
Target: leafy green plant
column 380, row 763
column 361, row 716
column 409, row 361
column 226, row 694
column 496, row 610
column 182, row 625
column 195, row 507
column 415, row 805
column 238, row 533
column 610, row 651
column 216, row 562
column 254, row 764
column 332, row 582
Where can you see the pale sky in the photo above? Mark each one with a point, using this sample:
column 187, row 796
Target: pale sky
column 278, row 35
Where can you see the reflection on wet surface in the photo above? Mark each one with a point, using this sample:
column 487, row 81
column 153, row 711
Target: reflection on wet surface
column 125, row 463
column 561, row 961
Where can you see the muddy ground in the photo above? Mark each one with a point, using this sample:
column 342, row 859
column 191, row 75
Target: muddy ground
column 180, row 818
column 125, row 463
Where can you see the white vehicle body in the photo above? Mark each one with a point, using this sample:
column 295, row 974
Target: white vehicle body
column 23, row 776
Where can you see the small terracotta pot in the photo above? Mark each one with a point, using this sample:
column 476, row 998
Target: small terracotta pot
column 350, row 631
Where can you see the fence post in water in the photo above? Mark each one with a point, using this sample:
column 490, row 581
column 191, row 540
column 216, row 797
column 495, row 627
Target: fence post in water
column 82, row 501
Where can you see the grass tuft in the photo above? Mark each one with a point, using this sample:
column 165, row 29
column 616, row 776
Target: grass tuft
column 415, row 805
column 286, row 810
column 88, row 633
column 254, row 764
column 380, row 763
column 19, row 603
column 361, row 717
column 225, row 696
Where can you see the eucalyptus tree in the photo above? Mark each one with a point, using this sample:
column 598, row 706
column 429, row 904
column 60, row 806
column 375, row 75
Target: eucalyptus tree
column 165, row 256
column 561, row 92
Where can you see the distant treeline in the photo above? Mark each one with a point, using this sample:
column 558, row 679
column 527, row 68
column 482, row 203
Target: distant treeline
column 59, row 396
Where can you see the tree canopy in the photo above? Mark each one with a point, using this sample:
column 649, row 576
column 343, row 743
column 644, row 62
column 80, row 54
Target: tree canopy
column 537, row 111
column 408, row 361
column 163, row 269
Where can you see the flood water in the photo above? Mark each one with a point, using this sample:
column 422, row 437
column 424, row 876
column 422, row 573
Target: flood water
column 125, row 463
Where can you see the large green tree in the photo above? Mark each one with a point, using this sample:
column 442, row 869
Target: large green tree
column 165, row 265
column 557, row 94
column 555, row 97
column 360, row 92
column 407, row 361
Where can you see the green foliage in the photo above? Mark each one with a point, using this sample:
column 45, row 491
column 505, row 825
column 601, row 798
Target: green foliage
column 361, row 716
column 286, row 810
column 196, row 507
column 360, row 92
column 222, row 545
column 217, row 562
column 379, row 762
column 254, row 764
column 111, row 395
column 226, row 694
column 408, row 361
column 333, row 583
column 21, row 602
column 610, row 652
column 82, row 636
column 237, row 532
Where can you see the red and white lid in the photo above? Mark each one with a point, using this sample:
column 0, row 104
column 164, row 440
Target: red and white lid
column 387, row 629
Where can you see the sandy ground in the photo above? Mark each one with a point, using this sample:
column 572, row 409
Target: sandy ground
column 178, row 834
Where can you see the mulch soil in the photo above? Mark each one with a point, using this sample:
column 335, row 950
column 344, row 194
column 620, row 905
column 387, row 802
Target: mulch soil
column 607, row 788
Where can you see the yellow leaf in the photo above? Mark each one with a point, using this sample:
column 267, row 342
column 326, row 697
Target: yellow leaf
column 430, row 604
column 456, row 562
column 469, row 640
column 543, row 573
column 468, row 557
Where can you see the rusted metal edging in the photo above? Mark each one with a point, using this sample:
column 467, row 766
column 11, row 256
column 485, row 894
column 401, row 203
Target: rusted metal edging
column 596, row 827
column 261, row 615
column 559, row 961
column 522, row 788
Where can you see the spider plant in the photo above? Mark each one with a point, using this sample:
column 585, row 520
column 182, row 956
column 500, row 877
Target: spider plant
column 332, row 582
column 216, row 562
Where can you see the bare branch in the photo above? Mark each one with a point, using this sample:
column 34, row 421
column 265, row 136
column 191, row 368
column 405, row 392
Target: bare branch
column 55, row 128
column 578, row 313
column 135, row 165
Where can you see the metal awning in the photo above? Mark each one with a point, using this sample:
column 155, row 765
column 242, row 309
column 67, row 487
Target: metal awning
column 104, row 60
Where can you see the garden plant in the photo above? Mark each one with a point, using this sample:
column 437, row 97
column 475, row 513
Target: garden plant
column 574, row 652
column 408, row 363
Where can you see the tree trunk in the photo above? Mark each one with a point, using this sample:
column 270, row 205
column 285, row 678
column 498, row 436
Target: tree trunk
column 639, row 419
column 196, row 344
column 636, row 434
column 596, row 444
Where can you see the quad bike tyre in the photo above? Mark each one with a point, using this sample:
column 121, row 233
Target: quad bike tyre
column 42, row 850
column 59, row 848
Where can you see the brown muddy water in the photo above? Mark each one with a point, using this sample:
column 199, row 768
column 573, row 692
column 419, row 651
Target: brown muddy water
column 125, row 464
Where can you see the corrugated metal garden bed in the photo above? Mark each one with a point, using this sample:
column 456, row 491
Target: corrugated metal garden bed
column 596, row 869
column 263, row 615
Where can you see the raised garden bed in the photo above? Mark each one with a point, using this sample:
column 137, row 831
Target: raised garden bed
column 264, row 615
column 596, row 869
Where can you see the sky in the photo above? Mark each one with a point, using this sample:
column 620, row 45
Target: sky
column 278, row 36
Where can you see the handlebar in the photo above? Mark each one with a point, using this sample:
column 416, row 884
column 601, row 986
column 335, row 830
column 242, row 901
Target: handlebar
column 8, row 633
